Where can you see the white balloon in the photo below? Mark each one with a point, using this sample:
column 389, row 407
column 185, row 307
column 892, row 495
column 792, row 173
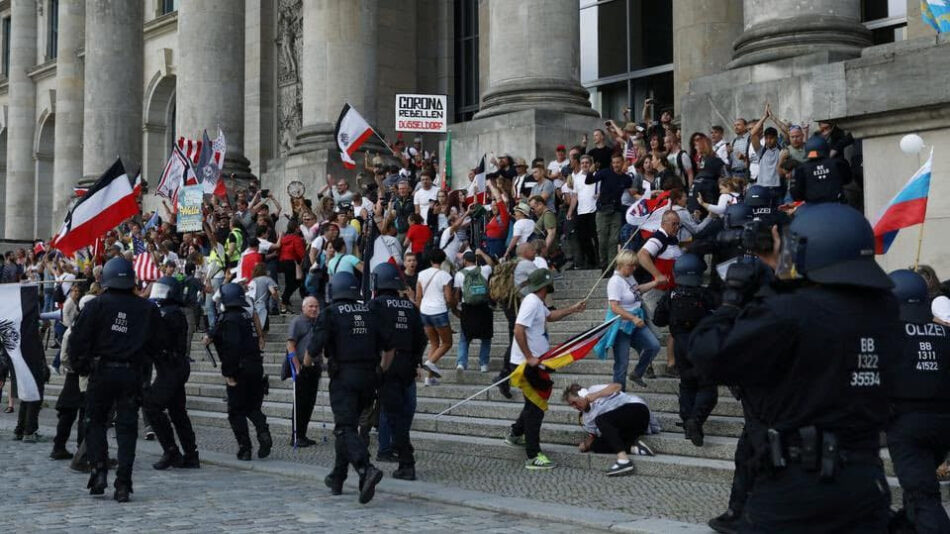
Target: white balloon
column 911, row 144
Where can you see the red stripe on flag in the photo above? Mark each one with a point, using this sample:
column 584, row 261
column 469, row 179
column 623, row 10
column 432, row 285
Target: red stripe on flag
column 359, row 141
column 84, row 234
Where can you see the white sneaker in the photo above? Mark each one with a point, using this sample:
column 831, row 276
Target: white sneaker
column 429, row 366
column 483, row 368
column 459, row 367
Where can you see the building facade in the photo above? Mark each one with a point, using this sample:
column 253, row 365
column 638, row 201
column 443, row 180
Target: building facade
column 84, row 81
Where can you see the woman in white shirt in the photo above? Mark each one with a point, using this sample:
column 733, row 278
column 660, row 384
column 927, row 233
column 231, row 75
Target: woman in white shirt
column 623, row 297
column 729, row 191
column 434, row 298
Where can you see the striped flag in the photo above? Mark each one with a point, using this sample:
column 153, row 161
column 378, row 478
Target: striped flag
column 559, row 357
column 630, row 151
column 476, row 189
column 907, row 208
column 108, row 202
column 178, row 170
column 351, row 132
column 20, row 338
column 190, row 148
column 213, row 184
column 80, row 191
column 145, row 268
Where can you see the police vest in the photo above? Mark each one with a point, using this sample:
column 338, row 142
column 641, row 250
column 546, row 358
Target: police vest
column 250, row 351
column 919, row 375
column 402, row 317
column 353, row 328
column 235, row 255
column 823, row 180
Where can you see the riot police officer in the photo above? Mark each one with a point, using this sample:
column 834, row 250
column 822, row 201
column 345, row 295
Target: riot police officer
column 397, row 394
column 918, row 434
column 239, row 349
column 167, row 392
column 681, row 309
column 113, row 339
column 350, row 333
column 805, row 353
column 821, row 178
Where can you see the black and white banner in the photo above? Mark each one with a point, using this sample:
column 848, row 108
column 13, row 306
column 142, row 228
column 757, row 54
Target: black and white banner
column 20, row 337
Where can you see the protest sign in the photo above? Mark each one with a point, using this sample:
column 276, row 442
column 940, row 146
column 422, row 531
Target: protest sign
column 421, row 113
column 189, row 208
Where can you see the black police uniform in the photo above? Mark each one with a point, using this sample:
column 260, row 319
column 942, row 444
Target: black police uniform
column 806, row 361
column 820, row 180
column 112, row 341
column 350, row 333
column 681, row 309
column 167, row 392
column 236, row 341
column 918, row 434
column 397, row 394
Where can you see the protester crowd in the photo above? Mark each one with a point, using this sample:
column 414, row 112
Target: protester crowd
column 629, row 200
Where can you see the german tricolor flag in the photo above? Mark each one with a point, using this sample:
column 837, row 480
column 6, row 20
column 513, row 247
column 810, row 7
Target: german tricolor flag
column 558, row 357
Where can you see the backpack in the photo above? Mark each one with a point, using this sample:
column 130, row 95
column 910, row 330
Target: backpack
column 686, row 309
column 501, row 287
column 474, row 287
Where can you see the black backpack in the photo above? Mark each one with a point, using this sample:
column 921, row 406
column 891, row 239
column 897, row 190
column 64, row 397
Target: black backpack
column 686, row 309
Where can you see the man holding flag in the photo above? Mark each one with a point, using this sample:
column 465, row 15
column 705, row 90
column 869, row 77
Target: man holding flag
column 529, row 345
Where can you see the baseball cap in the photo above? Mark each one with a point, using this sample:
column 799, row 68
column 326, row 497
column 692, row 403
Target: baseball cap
column 560, row 148
column 941, row 308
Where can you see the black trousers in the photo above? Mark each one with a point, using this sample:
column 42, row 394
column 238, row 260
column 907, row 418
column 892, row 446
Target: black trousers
column 793, row 500
column 586, row 228
column 167, row 393
column 308, row 381
column 289, row 269
column 918, row 443
column 620, row 428
column 697, row 398
column 28, row 417
column 352, row 390
column 529, row 420
column 397, row 399
column 742, row 475
column 244, row 403
column 108, row 386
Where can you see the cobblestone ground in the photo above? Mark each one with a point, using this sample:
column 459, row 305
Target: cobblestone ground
column 43, row 495
column 680, row 500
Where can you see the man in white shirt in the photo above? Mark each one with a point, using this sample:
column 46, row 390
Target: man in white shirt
column 720, row 146
column 522, row 229
column 586, row 225
column 560, row 161
column 426, row 194
column 528, row 345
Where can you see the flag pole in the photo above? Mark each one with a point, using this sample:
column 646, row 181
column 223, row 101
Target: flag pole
column 920, row 243
column 611, row 264
column 463, row 401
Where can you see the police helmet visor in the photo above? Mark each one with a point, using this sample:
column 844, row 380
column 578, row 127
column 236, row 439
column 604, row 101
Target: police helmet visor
column 862, row 271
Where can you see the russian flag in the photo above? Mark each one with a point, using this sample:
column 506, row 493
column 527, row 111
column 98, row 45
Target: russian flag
column 907, row 208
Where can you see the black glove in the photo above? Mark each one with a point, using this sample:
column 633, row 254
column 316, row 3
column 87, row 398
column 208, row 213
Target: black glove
column 741, row 283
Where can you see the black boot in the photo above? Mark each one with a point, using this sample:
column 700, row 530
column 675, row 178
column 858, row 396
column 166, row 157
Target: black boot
column 335, row 484
column 122, row 491
column 171, row 458
column 60, row 454
column 694, row 429
column 244, row 454
column 98, row 481
column 405, row 472
column 266, row 442
column 190, row 461
column 371, row 477
column 727, row 523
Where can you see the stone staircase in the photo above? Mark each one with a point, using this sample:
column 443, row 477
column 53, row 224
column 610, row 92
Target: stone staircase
column 478, row 427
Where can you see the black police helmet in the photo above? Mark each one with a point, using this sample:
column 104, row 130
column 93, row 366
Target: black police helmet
column 232, row 296
column 737, row 215
column 343, row 286
column 167, row 289
column 118, row 274
column 387, row 277
column 834, row 244
column 911, row 291
column 757, row 197
column 816, row 147
column 688, row 270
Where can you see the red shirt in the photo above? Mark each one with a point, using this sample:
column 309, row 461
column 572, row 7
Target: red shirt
column 497, row 227
column 248, row 262
column 291, row 248
column 418, row 235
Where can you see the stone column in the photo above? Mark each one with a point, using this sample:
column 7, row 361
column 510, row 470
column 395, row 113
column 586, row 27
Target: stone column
column 21, row 122
column 210, row 90
column 338, row 65
column 531, row 68
column 780, row 29
column 69, row 106
column 112, row 109
column 702, row 40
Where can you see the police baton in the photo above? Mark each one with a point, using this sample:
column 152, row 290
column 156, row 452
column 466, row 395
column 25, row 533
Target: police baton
column 214, row 363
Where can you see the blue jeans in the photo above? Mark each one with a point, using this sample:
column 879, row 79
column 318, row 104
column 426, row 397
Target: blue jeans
column 211, row 308
column 484, row 351
column 647, row 346
column 496, row 247
column 385, row 436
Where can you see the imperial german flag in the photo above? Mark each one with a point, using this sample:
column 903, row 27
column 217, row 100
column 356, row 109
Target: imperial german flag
column 559, row 357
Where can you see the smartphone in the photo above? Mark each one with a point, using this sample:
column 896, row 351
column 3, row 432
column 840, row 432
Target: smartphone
column 265, row 193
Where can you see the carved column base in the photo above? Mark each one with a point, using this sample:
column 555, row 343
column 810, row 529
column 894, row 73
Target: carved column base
column 536, row 93
column 799, row 36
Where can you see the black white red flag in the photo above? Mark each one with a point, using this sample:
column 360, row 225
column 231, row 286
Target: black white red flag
column 108, row 202
column 351, row 132
column 476, row 189
column 20, row 338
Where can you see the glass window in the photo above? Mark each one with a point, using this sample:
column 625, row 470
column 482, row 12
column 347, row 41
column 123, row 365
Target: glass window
column 466, row 59
column 6, row 46
column 659, row 87
column 650, row 32
column 169, row 6
column 611, row 45
column 52, row 30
